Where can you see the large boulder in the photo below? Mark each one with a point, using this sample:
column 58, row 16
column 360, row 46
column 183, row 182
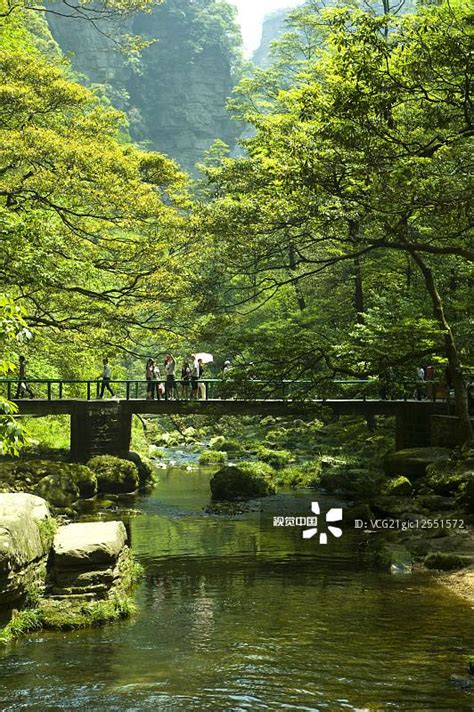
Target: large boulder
column 90, row 559
column 413, row 462
column 22, row 547
column 114, row 475
column 247, row 479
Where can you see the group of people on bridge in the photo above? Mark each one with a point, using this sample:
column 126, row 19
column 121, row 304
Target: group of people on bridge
column 189, row 385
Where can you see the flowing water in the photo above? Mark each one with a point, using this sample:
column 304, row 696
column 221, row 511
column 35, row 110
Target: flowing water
column 236, row 614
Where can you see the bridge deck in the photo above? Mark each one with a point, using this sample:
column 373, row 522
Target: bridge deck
column 42, row 407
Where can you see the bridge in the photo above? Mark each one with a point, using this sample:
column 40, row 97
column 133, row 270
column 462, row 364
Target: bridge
column 101, row 426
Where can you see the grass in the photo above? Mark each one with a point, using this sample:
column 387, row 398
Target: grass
column 66, row 615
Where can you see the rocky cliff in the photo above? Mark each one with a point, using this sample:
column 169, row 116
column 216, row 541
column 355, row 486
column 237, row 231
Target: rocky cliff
column 273, row 27
column 175, row 92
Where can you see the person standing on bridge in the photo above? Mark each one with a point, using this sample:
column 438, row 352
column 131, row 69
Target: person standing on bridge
column 106, row 376
column 23, row 386
column 152, row 376
column 420, row 378
column 185, row 379
column 170, row 368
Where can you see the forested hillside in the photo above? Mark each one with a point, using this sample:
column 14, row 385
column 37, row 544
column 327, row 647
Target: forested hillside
column 175, row 90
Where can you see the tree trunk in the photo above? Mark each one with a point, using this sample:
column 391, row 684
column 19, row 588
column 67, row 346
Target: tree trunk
column 358, row 286
column 459, row 383
column 293, row 265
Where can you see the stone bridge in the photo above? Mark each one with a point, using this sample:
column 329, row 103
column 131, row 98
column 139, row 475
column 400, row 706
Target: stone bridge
column 104, row 426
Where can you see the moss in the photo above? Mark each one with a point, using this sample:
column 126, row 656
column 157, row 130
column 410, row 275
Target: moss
column 212, row 457
column 247, row 479
column 217, row 442
column 306, row 475
column 274, row 458
column 398, row 487
column 47, row 529
column 446, row 561
column 169, row 439
column 355, row 483
column 114, row 475
column 225, row 444
column 60, row 483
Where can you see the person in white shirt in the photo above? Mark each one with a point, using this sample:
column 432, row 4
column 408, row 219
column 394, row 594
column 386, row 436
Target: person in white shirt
column 106, row 376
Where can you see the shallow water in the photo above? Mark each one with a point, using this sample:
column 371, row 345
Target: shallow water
column 236, row 614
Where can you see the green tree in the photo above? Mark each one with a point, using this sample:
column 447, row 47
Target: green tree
column 89, row 223
column 356, row 188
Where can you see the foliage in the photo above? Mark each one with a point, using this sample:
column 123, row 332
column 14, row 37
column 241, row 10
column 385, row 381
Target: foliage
column 341, row 242
column 305, row 475
column 80, row 210
column 12, row 330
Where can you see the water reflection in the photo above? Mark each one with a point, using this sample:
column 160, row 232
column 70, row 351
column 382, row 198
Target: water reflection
column 237, row 615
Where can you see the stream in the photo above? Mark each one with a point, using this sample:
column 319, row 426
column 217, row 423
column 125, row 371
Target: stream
column 238, row 614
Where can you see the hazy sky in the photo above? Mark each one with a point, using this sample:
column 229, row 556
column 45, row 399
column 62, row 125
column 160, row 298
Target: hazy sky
column 251, row 14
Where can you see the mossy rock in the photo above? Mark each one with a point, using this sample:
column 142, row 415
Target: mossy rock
column 169, row 439
column 447, row 561
column 60, row 483
column 466, row 492
column 306, row 475
column 398, row 487
column 144, row 466
column 452, row 478
column 114, row 475
column 274, row 458
column 212, row 457
column 216, row 442
column 413, row 462
column 355, row 483
column 58, row 491
column 247, row 479
column 277, row 437
column 230, row 445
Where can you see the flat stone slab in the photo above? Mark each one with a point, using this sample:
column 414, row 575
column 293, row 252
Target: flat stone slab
column 86, row 544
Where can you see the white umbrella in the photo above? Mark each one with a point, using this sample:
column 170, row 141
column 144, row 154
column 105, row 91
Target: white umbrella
column 205, row 358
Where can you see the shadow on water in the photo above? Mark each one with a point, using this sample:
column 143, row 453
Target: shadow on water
column 236, row 614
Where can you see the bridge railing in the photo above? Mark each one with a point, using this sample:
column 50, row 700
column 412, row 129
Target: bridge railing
column 224, row 389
